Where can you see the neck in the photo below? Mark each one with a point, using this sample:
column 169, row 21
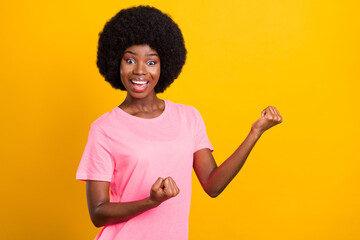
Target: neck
column 145, row 105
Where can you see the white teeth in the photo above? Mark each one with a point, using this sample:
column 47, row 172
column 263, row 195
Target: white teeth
column 139, row 82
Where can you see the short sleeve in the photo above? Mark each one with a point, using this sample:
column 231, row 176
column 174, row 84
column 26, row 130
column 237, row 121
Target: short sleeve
column 96, row 162
column 201, row 138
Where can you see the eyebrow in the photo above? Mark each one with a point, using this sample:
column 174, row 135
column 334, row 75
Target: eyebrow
column 147, row 55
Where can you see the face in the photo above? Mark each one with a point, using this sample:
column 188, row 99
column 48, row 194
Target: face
column 140, row 70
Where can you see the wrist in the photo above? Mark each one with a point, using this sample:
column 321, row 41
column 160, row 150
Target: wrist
column 152, row 203
column 255, row 133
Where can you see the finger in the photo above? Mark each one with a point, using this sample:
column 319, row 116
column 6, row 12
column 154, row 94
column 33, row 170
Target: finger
column 272, row 109
column 174, row 188
column 263, row 113
column 280, row 117
column 171, row 190
column 162, row 184
column 177, row 189
column 269, row 114
column 167, row 187
column 277, row 116
column 158, row 184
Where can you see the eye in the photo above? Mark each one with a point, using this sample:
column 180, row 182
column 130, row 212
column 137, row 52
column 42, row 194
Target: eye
column 130, row 60
column 151, row 62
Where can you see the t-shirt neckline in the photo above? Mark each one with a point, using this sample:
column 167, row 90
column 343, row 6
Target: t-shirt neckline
column 127, row 115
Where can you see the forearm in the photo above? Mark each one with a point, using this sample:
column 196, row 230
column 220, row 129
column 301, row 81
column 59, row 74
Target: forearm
column 214, row 179
column 112, row 213
column 221, row 176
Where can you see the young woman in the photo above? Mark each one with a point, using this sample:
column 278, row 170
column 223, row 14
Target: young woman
column 139, row 157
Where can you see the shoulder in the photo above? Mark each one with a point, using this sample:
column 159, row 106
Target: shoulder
column 106, row 119
column 185, row 112
column 186, row 109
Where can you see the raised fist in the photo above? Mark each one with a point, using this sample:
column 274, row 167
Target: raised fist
column 163, row 189
column 270, row 117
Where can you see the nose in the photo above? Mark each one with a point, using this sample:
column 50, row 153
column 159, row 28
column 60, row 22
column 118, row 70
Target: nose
column 139, row 69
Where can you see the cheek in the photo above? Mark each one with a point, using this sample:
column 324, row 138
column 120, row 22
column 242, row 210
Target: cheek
column 122, row 75
column 156, row 72
column 123, row 71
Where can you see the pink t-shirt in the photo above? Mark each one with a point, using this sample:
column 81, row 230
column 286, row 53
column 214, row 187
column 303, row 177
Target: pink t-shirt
column 132, row 152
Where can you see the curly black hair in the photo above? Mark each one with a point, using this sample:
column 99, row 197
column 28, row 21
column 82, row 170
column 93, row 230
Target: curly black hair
column 136, row 26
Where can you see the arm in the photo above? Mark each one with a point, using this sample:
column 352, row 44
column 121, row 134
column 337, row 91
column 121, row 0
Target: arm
column 103, row 212
column 214, row 179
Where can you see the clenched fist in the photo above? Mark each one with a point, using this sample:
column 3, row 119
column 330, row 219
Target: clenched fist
column 163, row 189
column 270, row 117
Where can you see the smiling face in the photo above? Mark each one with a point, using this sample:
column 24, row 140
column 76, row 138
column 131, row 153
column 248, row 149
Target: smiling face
column 140, row 71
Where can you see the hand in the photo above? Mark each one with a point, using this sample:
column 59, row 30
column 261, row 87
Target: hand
column 270, row 117
column 163, row 189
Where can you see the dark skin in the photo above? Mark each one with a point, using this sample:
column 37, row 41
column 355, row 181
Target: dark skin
column 142, row 64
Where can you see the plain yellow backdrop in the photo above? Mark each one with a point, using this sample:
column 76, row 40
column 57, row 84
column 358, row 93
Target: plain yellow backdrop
column 300, row 182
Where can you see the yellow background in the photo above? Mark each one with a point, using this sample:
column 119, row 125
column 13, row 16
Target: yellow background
column 300, row 182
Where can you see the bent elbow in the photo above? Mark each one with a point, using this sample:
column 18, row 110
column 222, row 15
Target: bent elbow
column 97, row 215
column 213, row 193
column 97, row 223
column 100, row 219
column 97, row 218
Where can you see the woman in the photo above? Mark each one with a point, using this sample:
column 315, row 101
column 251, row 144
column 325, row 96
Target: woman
column 138, row 160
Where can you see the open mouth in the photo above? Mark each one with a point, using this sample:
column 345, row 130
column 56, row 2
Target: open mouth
column 139, row 85
column 139, row 82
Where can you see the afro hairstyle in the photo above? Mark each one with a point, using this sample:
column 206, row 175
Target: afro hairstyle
column 137, row 26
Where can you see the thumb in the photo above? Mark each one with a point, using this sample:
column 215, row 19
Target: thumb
column 263, row 113
column 158, row 184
